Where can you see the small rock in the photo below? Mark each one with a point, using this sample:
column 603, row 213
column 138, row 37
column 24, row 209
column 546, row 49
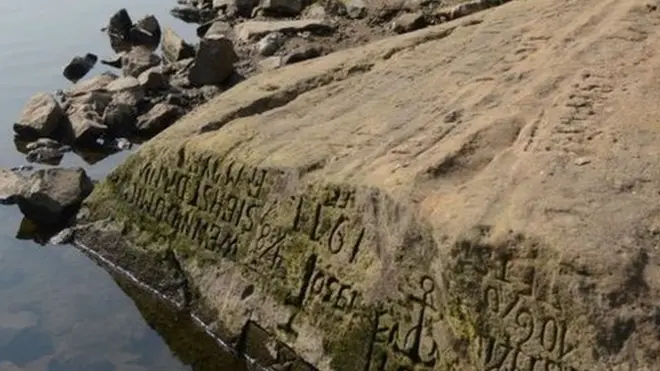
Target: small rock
column 146, row 32
column 214, row 61
column 270, row 63
column 177, row 67
column 161, row 116
column 138, row 60
column 22, row 168
column 114, row 61
column 79, row 67
column 288, row 7
column 153, row 79
column 65, row 236
column 42, row 142
column 95, row 83
column 175, row 48
column 302, row 53
column 582, row 161
column 251, row 30
column 45, row 155
column 242, row 8
column 409, row 22
column 94, row 100
column 11, row 185
column 355, row 9
column 52, row 196
column 128, row 83
column 269, row 44
column 118, row 29
column 41, row 116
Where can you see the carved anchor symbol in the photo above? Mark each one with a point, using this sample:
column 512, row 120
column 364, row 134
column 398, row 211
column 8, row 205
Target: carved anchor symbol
column 416, row 333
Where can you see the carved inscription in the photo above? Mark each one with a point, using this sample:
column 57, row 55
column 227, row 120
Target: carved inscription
column 214, row 204
column 537, row 338
column 406, row 344
column 327, row 223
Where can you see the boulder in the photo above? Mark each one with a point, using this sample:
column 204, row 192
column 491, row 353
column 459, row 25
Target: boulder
column 175, row 48
column 477, row 195
column 52, row 196
column 138, row 60
column 84, row 126
column 214, row 61
column 118, row 29
column 120, row 118
column 250, row 30
column 79, row 67
column 40, row 117
column 46, row 155
column 95, row 100
column 92, row 84
column 287, row 7
column 146, row 32
column 216, row 27
column 12, row 185
column 160, row 117
column 269, row 44
column 153, row 79
column 42, row 142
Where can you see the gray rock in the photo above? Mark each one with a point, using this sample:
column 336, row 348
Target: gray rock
column 251, row 30
column 214, row 61
column 153, row 79
column 146, row 32
column 41, row 116
column 303, row 53
column 11, row 185
column 123, row 84
column 175, row 48
column 120, row 117
column 269, row 44
column 235, row 7
column 84, row 126
column 79, row 67
column 127, row 90
column 45, row 155
column 409, row 22
column 94, row 100
column 288, row 7
column 52, row 196
column 355, row 8
column 118, row 29
column 42, row 142
column 138, row 60
column 315, row 11
column 217, row 27
column 95, row 83
column 161, row 116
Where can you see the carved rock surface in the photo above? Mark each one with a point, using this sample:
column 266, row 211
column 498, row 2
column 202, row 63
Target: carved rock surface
column 422, row 202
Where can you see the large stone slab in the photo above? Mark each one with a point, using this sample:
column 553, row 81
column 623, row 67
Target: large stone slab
column 479, row 195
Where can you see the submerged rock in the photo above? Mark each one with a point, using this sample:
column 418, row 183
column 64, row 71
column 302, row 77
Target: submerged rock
column 79, row 67
column 52, row 196
column 41, row 116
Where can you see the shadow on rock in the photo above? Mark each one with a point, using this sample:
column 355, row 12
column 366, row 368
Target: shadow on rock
column 187, row 340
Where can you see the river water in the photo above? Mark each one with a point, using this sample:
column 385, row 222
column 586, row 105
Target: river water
column 59, row 310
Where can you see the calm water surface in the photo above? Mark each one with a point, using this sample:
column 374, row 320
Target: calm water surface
column 60, row 311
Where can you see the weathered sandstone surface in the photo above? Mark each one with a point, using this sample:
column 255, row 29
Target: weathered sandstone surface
column 479, row 195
